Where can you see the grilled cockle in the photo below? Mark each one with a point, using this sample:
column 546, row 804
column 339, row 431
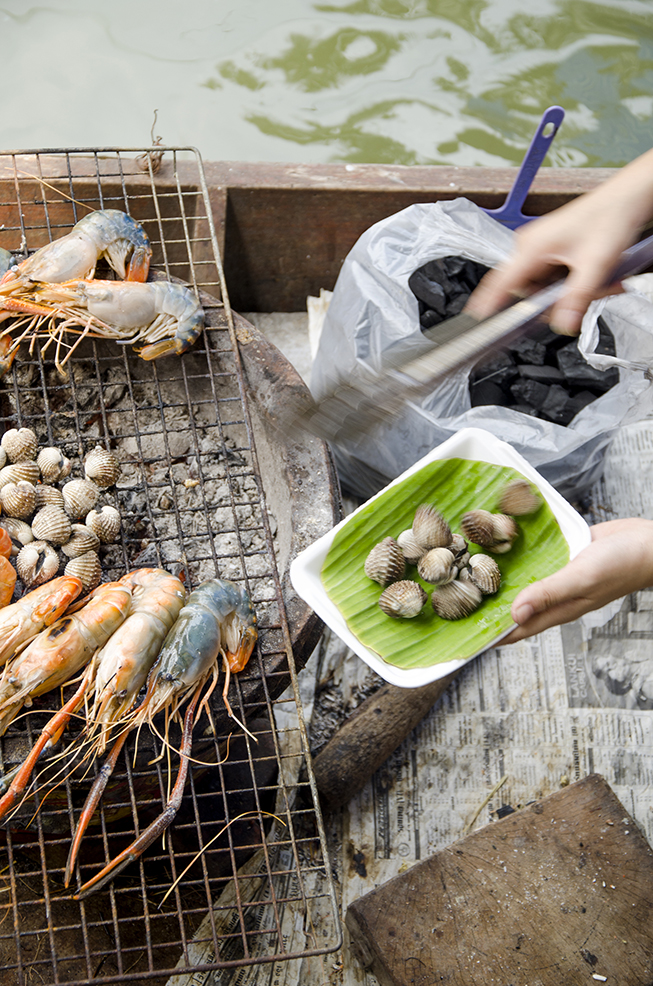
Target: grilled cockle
column 385, row 562
column 485, row 574
column 456, row 600
column 437, row 566
column 519, row 498
column 496, row 532
column 403, row 600
column 430, row 528
column 20, row 444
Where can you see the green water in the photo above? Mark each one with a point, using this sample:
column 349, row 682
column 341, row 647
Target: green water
column 397, row 81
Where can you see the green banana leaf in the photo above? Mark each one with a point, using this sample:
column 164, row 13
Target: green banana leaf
column 453, row 486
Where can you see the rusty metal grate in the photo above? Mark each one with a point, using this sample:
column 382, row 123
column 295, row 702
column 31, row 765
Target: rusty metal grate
column 192, row 499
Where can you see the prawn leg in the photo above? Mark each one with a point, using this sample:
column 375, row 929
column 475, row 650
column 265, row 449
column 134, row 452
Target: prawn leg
column 91, row 803
column 160, row 824
column 49, row 736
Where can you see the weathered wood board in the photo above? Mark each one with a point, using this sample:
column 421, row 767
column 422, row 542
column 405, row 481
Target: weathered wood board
column 558, row 892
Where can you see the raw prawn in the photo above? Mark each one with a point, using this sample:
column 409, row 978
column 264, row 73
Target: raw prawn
column 218, row 619
column 22, row 621
column 7, row 570
column 106, row 233
column 58, row 653
column 166, row 316
column 117, row 670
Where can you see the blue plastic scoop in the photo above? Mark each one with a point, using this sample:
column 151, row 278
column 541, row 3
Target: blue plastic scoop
column 510, row 214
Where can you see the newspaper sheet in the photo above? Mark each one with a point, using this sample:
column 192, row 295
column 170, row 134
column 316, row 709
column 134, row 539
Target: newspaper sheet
column 516, row 724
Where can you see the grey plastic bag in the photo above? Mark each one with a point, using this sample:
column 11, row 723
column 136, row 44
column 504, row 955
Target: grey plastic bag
column 373, row 313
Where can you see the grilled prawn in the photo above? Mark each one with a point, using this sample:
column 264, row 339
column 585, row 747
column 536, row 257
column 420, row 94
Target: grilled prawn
column 217, row 620
column 117, row 670
column 106, row 233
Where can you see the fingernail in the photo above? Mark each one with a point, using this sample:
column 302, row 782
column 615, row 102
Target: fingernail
column 522, row 613
column 566, row 321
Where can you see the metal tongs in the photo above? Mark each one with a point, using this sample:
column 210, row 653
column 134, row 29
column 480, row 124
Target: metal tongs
column 355, row 406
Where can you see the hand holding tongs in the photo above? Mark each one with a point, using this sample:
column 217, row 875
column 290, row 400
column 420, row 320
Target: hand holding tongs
column 356, row 406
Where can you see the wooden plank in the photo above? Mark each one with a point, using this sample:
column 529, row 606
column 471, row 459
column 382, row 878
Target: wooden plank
column 558, row 892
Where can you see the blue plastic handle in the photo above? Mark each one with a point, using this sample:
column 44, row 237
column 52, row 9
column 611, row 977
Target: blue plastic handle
column 510, row 214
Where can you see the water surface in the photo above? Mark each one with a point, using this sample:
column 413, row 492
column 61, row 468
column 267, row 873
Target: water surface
column 397, row 81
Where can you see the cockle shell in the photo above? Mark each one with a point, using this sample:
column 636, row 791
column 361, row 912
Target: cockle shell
column 80, row 496
column 19, row 532
column 458, row 546
column 20, row 444
column 411, row 548
column 437, row 566
column 17, row 471
column 505, row 532
column 105, row 523
column 48, row 496
column 496, row 532
column 3, row 457
column 477, row 526
column 456, row 600
column 51, row 524
column 403, row 600
column 519, row 498
column 82, row 539
column 37, row 563
column 385, row 562
column 430, row 528
column 53, row 464
column 18, row 499
column 485, row 573
column 86, row 568
column 102, row 467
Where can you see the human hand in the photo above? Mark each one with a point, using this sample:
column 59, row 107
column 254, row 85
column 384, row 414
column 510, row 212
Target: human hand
column 586, row 237
column 618, row 561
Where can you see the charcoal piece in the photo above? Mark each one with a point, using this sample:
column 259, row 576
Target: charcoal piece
column 452, row 266
column 581, row 400
column 557, row 406
column 456, row 304
column 528, row 350
column 523, row 409
column 545, row 374
column 606, row 344
column 429, row 318
column 428, row 290
column 486, row 392
column 471, row 274
column 578, row 372
column 529, row 392
column 499, row 367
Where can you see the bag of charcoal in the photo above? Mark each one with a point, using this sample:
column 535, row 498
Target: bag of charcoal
column 557, row 400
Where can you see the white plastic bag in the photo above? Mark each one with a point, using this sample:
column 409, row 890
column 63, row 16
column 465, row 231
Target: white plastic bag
column 373, row 312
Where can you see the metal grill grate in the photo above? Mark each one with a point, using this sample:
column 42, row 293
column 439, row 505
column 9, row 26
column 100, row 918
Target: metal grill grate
column 192, row 500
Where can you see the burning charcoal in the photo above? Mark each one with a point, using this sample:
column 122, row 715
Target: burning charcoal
column 486, row 392
column 578, row 372
column 529, row 350
column 429, row 318
column 530, row 392
column 428, row 290
column 557, row 406
column 544, row 374
column 499, row 367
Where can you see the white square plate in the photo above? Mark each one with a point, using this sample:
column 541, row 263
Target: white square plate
column 469, row 443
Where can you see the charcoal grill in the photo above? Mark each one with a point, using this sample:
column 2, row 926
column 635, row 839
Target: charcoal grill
column 207, row 488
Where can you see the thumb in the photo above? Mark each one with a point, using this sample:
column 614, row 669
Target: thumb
column 581, row 288
column 545, row 595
